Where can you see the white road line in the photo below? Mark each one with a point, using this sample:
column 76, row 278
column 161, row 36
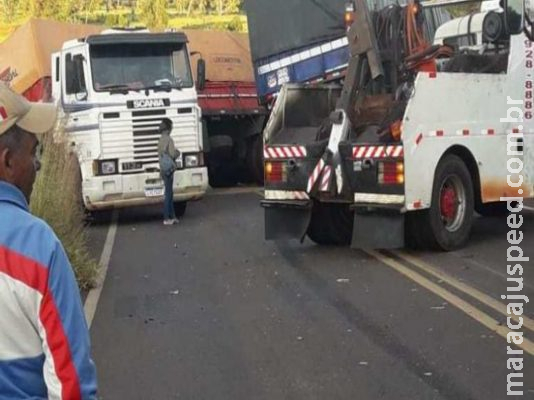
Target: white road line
column 91, row 302
column 528, row 208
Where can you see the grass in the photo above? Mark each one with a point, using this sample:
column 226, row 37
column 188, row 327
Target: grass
column 217, row 22
column 56, row 199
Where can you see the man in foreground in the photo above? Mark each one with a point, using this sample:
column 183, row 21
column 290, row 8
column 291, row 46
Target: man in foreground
column 44, row 339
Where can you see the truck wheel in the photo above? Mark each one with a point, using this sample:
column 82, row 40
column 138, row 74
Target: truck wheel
column 179, row 208
column 447, row 223
column 331, row 224
column 255, row 159
column 221, row 146
column 222, row 175
column 84, row 212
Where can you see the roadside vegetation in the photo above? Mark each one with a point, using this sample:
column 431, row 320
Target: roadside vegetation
column 56, row 199
column 155, row 14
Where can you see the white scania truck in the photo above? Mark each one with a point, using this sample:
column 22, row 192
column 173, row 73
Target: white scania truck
column 114, row 89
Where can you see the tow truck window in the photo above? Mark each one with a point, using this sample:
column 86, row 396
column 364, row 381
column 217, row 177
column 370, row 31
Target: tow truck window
column 139, row 66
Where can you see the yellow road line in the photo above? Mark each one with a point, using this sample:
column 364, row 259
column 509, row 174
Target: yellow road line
column 471, row 291
column 451, row 298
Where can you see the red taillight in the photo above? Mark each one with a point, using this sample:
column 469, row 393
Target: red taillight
column 275, row 171
column 391, row 173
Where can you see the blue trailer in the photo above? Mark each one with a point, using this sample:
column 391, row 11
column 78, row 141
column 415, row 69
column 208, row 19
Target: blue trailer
column 302, row 41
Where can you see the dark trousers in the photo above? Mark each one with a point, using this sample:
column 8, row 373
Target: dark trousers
column 168, row 205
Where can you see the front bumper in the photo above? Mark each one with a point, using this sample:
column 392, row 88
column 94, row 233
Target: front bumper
column 119, row 191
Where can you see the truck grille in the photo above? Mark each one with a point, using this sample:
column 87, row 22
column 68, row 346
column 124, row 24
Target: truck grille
column 133, row 136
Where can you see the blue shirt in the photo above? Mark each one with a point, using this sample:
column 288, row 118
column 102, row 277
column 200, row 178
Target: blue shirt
column 44, row 339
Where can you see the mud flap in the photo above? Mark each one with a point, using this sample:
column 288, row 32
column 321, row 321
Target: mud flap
column 286, row 222
column 378, row 231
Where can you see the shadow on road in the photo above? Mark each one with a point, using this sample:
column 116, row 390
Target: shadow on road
column 496, row 228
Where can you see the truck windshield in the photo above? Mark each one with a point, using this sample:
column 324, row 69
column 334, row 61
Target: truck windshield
column 138, row 66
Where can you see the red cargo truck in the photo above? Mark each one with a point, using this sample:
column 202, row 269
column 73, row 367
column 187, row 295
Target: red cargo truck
column 233, row 119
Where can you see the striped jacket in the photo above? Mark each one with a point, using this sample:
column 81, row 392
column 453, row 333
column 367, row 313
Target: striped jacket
column 44, row 339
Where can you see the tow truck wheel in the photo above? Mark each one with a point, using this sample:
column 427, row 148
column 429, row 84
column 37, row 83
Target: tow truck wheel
column 447, row 223
column 179, row 208
column 331, row 224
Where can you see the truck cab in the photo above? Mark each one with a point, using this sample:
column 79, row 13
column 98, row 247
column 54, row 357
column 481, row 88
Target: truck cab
column 113, row 90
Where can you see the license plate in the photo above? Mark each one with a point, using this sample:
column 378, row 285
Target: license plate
column 154, row 192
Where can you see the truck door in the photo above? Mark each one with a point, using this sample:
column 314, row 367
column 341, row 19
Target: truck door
column 73, row 73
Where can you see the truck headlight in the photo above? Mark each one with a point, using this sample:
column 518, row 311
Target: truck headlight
column 105, row 167
column 192, row 161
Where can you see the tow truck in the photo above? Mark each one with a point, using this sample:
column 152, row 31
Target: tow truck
column 419, row 137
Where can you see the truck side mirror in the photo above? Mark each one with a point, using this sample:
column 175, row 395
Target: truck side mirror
column 201, row 74
column 514, row 16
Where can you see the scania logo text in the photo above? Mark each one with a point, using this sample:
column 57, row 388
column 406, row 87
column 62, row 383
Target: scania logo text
column 149, row 103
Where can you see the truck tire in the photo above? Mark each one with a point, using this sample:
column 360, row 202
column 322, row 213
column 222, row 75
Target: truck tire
column 446, row 225
column 222, row 169
column 331, row 224
column 179, row 208
column 255, row 159
column 75, row 164
column 221, row 146
column 222, row 175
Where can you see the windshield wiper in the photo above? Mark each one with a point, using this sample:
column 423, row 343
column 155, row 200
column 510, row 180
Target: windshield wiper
column 159, row 88
column 163, row 88
column 116, row 89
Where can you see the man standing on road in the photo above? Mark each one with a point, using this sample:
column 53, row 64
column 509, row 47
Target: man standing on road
column 44, row 339
column 167, row 163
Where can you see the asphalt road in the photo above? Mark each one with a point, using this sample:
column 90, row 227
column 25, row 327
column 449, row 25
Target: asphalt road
column 208, row 310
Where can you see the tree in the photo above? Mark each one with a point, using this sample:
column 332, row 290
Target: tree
column 153, row 13
column 233, row 6
column 181, row 6
column 8, row 10
column 206, row 6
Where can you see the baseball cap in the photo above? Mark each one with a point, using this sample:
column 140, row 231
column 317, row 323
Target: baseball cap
column 16, row 110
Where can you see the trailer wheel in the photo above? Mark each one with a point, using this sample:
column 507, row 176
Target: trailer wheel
column 222, row 175
column 331, row 224
column 447, row 223
column 179, row 208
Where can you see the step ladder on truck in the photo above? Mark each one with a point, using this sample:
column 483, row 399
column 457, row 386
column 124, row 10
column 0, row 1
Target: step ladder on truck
column 419, row 137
